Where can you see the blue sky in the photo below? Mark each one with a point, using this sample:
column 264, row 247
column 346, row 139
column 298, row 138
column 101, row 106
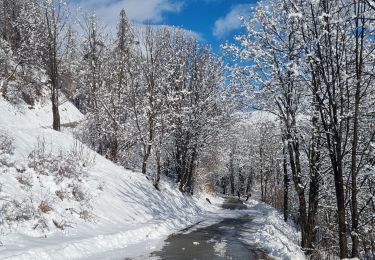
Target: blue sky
column 214, row 21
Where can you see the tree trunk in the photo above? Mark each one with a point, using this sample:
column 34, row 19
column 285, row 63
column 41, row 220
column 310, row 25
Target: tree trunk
column 186, row 182
column 231, row 173
column 294, row 158
column 114, row 146
column 178, row 156
column 340, row 198
column 249, row 182
column 53, row 63
column 286, row 184
column 146, row 155
column 184, row 169
column 223, row 184
column 158, row 169
column 354, row 233
column 192, row 171
column 360, row 29
column 55, row 111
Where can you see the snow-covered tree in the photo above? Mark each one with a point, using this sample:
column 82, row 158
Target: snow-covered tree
column 310, row 63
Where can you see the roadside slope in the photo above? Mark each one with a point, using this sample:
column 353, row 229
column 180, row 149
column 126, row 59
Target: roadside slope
column 125, row 207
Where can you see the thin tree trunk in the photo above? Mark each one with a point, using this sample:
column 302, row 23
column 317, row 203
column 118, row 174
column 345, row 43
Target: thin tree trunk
column 114, row 148
column 286, row 184
column 192, row 171
column 184, row 169
column 357, row 99
column 158, row 169
column 146, row 155
column 55, row 111
column 178, row 159
column 231, row 173
column 340, row 197
column 148, row 147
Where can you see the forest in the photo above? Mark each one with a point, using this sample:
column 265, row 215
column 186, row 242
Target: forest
column 285, row 112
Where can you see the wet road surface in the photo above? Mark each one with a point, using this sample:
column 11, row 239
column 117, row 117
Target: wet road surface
column 215, row 242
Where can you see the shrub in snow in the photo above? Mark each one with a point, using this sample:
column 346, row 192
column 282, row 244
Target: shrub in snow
column 6, row 149
column 41, row 224
column 82, row 154
column 16, row 211
column 60, row 166
column 25, row 179
column 51, row 190
column 10, row 209
column 44, row 206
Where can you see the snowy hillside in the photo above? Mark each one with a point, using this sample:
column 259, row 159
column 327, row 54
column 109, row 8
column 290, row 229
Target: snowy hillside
column 121, row 201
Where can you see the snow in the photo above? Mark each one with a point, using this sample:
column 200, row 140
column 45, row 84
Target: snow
column 276, row 237
column 297, row 15
column 220, row 248
column 128, row 215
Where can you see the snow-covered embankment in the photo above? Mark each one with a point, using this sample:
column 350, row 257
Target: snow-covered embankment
column 124, row 207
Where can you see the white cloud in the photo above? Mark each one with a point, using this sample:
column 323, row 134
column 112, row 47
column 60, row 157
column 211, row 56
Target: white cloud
column 137, row 10
column 140, row 12
column 231, row 21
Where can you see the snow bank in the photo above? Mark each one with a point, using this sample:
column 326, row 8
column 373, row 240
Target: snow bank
column 271, row 233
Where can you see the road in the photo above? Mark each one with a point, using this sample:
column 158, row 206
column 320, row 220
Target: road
column 215, row 242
